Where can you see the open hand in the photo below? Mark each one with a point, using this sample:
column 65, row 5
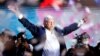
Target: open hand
column 86, row 19
column 13, row 7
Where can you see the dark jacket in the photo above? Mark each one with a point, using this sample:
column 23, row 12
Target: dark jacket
column 39, row 31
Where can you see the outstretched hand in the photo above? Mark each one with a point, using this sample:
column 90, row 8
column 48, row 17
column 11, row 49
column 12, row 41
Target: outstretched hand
column 13, row 7
column 86, row 19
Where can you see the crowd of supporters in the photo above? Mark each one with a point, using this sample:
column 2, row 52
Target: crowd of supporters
column 17, row 45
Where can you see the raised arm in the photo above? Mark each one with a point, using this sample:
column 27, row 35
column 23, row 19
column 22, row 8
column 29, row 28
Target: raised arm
column 68, row 29
column 15, row 9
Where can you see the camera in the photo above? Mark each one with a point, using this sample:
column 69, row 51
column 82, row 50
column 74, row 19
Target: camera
column 82, row 39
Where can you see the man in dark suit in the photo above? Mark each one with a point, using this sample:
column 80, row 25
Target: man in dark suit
column 46, row 35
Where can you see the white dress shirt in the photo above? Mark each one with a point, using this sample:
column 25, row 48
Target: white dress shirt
column 51, row 42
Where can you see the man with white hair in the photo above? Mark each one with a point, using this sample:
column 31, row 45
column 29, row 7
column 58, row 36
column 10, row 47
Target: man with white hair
column 48, row 34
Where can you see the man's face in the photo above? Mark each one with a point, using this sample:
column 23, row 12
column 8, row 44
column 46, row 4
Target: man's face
column 49, row 24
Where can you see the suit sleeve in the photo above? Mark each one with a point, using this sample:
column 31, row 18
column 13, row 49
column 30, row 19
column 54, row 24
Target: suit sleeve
column 68, row 29
column 31, row 27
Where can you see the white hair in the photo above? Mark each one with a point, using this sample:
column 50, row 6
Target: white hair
column 48, row 17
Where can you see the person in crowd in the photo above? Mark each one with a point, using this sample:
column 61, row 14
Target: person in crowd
column 9, row 48
column 6, row 37
column 82, row 47
column 21, row 44
column 1, row 48
column 97, row 49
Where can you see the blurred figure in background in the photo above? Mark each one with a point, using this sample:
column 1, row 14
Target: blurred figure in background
column 2, row 2
column 97, row 49
column 10, row 49
column 6, row 35
column 21, row 44
column 56, row 4
column 29, row 2
column 1, row 48
column 82, row 47
column 9, row 44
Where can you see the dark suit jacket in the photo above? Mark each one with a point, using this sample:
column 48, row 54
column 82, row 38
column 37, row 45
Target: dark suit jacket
column 39, row 31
